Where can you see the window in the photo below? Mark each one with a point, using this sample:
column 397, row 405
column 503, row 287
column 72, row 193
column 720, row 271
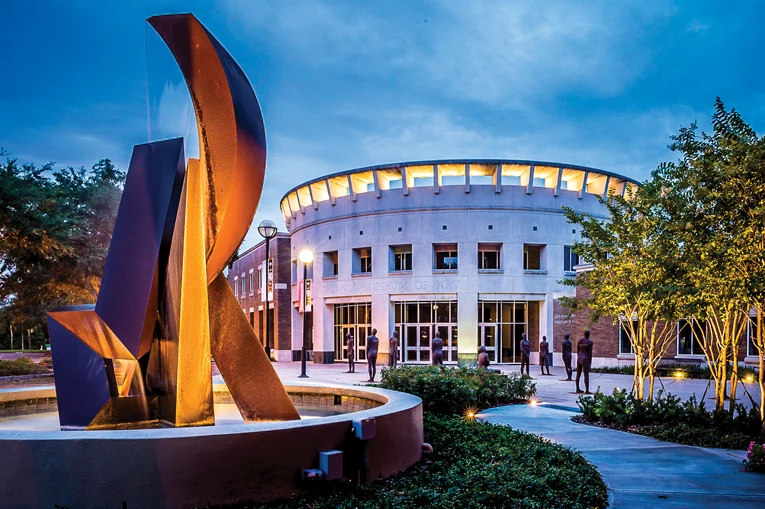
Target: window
column 489, row 256
column 260, row 278
column 538, row 182
column 294, row 271
column 362, row 260
column 401, row 258
column 236, row 285
column 689, row 337
column 533, row 257
column 244, row 285
column 252, row 282
column 445, row 256
column 570, row 259
column 564, row 184
column 625, row 346
column 330, row 264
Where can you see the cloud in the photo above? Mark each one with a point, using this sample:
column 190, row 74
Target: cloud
column 501, row 53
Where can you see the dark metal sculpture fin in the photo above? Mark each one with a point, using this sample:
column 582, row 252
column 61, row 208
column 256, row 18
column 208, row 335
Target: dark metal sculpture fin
column 127, row 300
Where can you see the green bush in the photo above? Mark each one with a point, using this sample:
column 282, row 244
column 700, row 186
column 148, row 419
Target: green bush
column 474, row 466
column 450, row 391
column 667, row 417
column 21, row 366
column 668, row 369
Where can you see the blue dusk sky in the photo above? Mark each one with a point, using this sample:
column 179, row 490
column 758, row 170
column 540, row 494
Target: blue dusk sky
column 349, row 84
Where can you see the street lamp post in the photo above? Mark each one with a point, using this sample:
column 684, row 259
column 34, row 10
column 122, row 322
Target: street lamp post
column 267, row 229
column 306, row 257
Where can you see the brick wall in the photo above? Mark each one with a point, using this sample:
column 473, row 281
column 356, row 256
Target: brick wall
column 253, row 259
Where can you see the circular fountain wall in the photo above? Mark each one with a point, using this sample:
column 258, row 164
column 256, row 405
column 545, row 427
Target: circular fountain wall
column 188, row 467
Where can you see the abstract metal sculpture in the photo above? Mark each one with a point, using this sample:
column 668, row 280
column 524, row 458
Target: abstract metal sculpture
column 142, row 353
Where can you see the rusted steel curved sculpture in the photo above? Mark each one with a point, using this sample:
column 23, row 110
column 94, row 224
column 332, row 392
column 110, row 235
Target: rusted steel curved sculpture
column 142, row 354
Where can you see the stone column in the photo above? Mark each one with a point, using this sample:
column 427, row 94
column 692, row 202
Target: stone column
column 467, row 312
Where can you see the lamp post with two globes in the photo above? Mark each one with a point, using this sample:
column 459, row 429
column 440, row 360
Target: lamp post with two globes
column 267, row 229
column 306, row 257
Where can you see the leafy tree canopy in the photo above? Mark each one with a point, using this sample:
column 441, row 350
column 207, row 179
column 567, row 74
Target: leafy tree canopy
column 55, row 229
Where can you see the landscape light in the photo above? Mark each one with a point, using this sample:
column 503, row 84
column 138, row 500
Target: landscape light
column 679, row 374
column 470, row 414
column 749, row 378
column 533, row 402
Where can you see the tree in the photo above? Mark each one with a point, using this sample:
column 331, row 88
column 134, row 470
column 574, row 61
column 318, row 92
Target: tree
column 54, row 234
column 714, row 200
column 633, row 275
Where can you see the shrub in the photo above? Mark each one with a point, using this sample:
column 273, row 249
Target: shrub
column 669, row 418
column 475, row 465
column 755, row 457
column 450, row 391
column 21, row 366
column 668, row 369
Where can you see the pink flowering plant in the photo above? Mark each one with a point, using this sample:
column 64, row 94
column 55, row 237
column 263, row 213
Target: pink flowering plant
column 755, row 458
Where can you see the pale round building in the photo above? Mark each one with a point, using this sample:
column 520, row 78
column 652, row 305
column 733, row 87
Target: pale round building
column 473, row 250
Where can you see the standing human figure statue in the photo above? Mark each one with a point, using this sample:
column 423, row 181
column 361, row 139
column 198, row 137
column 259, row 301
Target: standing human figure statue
column 583, row 361
column 437, row 349
column 566, row 350
column 393, row 350
column 525, row 353
column 544, row 360
column 483, row 358
column 372, row 344
column 350, row 345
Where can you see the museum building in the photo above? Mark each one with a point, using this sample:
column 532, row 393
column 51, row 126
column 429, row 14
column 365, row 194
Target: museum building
column 472, row 250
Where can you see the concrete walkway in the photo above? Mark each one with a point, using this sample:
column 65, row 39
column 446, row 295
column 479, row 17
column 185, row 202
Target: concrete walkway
column 640, row 471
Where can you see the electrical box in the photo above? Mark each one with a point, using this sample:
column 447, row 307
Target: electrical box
column 331, row 464
column 364, row 429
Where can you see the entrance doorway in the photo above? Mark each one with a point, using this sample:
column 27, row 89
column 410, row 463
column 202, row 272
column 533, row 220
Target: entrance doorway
column 500, row 326
column 417, row 323
column 354, row 319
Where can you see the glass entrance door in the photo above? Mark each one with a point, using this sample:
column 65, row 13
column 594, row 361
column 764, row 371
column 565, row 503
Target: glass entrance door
column 354, row 319
column 417, row 343
column 501, row 324
column 488, row 337
column 448, row 334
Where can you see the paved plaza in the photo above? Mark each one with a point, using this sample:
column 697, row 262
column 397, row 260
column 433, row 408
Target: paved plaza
column 644, row 472
column 550, row 389
column 640, row 471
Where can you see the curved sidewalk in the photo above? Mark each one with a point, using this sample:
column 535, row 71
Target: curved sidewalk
column 644, row 472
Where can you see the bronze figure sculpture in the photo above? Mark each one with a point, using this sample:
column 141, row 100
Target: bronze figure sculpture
column 142, row 353
column 393, row 350
column 583, row 361
column 351, row 349
column 437, row 350
column 483, row 358
column 372, row 345
column 544, row 358
column 566, row 352
column 525, row 353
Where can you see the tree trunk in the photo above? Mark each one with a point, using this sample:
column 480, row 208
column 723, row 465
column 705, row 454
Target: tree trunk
column 12, row 341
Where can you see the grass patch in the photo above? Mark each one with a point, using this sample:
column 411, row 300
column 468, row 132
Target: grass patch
column 668, row 418
column 474, row 466
column 451, row 391
column 21, row 366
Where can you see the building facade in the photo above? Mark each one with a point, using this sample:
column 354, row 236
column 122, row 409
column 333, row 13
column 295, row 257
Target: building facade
column 247, row 277
column 471, row 250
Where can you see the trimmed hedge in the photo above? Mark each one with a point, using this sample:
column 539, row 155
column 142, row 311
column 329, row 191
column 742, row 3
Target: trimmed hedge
column 474, row 466
column 669, row 418
column 451, row 391
column 21, row 366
